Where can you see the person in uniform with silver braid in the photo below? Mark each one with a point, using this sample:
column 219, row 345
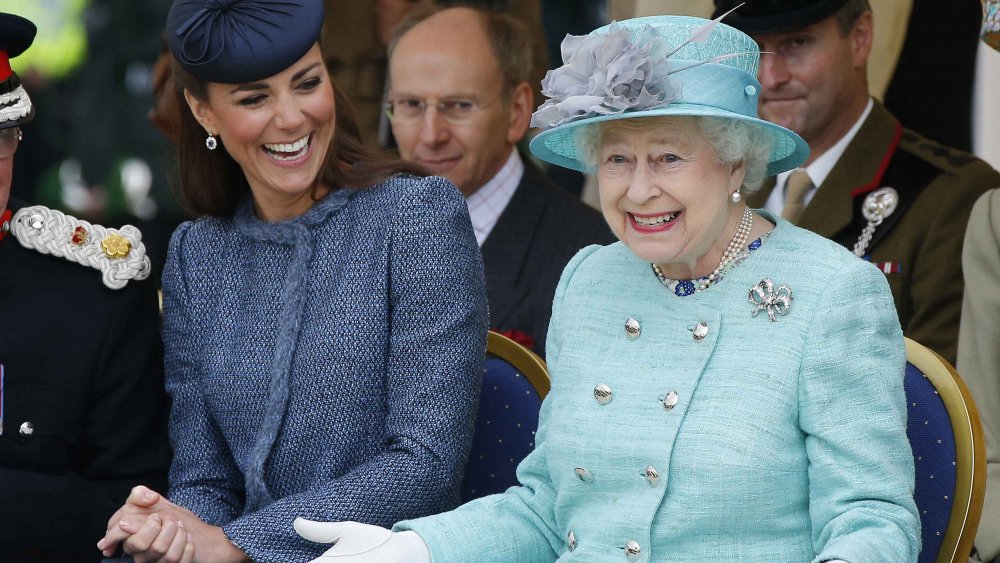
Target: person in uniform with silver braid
column 703, row 407
column 324, row 320
column 83, row 413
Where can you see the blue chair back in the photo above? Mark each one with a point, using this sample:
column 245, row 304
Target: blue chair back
column 514, row 383
column 932, row 439
column 948, row 453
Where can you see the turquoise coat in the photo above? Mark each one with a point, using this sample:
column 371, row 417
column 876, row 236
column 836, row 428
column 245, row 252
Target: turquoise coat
column 787, row 440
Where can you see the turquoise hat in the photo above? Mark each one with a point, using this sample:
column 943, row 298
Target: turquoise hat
column 649, row 67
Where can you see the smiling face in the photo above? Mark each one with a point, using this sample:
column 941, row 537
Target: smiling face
column 278, row 130
column 447, row 58
column 665, row 195
column 814, row 79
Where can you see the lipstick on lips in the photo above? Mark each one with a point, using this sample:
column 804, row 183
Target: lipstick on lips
column 653, row 223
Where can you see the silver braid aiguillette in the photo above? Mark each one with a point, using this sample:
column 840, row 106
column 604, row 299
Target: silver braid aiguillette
column 118, row 253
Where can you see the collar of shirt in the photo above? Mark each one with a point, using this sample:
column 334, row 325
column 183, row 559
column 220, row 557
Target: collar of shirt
column 488, row 202
column 819, row 169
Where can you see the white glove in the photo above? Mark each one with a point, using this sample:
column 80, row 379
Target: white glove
column 363, row 543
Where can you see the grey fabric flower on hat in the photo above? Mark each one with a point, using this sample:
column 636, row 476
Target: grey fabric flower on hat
column 606, row 74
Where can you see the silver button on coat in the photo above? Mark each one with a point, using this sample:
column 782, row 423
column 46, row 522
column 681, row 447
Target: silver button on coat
column 652, row 476
column 571, row 540
column 602, row 393
column 670, row 401
column 583, row 474
column 632, row 550
column 632, row 329
column 27, row 428
column 700, row 331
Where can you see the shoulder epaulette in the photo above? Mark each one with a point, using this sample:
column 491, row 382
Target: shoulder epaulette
column 943, row 157
column 118, row 253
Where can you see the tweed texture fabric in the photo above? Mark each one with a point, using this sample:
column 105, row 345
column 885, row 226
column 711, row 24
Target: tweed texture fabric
column 327, row 366
column 787, row 441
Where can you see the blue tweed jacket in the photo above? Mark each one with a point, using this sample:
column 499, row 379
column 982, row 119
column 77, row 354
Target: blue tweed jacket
column 762, row 441
column 327, row 366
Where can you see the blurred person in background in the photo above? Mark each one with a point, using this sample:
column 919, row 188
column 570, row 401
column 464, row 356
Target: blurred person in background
column 459, row 102
column 892, row 196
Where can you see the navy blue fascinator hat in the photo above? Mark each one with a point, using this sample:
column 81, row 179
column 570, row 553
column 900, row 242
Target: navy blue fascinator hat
column 235, row 41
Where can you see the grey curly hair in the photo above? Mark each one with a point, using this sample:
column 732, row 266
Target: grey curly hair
column 734, row 141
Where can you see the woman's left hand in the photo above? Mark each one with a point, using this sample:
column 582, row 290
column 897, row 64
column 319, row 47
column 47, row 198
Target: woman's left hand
column 131, row 526
column 161, row 540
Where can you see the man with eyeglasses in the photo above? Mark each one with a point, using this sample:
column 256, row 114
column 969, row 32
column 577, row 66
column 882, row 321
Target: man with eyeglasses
column 82, row 405
column 459, row 102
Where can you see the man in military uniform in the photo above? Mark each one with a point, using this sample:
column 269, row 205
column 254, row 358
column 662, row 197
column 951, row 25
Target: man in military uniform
column 82, row 406
column 883, row 191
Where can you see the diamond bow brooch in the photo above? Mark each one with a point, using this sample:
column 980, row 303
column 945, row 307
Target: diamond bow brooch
column 765, row 297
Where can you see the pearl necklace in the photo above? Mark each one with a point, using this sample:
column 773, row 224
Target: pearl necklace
column 733, row 251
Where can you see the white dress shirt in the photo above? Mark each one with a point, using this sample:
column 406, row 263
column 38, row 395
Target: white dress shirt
column 488, row 202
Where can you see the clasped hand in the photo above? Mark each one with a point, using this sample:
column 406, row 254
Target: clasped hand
column 153, row 529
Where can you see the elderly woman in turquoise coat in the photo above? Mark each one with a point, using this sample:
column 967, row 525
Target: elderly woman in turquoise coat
column 725, row 385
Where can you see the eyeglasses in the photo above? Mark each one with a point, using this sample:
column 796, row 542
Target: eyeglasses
column 9, row 139
column 455, row 111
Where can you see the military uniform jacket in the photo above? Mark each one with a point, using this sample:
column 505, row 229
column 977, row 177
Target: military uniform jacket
column 538, row 232
column 919, row 246
column 84, row 414
column 758, row 441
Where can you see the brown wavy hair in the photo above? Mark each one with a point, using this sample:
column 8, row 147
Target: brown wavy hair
column 212, row 183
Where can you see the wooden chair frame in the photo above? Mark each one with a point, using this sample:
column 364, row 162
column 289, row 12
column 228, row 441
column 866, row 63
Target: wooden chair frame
column 524, row 360
column 970, row 478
